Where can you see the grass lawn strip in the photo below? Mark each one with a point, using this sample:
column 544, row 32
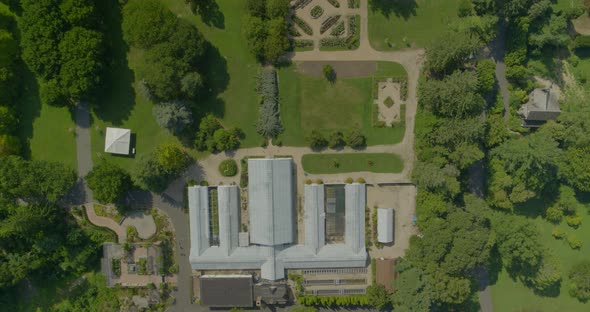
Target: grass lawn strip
column 418, row 22
column 353, row 162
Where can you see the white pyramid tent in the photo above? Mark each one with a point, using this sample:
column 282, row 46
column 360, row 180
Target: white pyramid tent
column 117, row 141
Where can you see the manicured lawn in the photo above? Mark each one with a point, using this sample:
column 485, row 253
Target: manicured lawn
column 124, row 108
column 47, row 132
column 418, row 21
column 54, row 136
column 312, row 103
column 121, row 106
column 509, row 295
column 341, row 163
column 565, row 4
column 233, row 69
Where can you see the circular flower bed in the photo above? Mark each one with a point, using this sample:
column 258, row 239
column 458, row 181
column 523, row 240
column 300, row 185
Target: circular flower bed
column 317, row 11
column 228, row 168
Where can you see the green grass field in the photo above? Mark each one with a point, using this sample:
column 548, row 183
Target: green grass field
column 47, row 132
column 233, row 68
column 509, row 295
column 312, row 103
column 341, row 163
column 418, row 21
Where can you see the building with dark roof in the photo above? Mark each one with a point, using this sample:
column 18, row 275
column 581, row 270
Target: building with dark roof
column 226, row 291
column 542, row 106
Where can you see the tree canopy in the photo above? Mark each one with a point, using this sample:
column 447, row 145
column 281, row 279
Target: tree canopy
column 108, row 182
column 455, row 95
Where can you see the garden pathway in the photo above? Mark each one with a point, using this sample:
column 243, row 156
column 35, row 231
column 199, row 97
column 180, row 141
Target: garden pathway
column 84, row 157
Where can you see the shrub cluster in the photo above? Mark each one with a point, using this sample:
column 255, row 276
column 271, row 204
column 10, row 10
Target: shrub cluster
column 156, row 170
column 175, row 116
column 354, row 139
column 269, row 122
column 228, row 168
column 214, row 138
column 326, row 301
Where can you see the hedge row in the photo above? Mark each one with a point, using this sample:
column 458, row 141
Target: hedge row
column 338, row 30
column 329, row 301
column 335, row 3
column 329, row 22
column 303, row 25
column 350, row 42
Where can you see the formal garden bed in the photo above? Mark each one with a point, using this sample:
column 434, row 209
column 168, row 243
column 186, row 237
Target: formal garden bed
column 303, row 45
column 354, row 4
column 316, row 12
column 352, row 162
column 303, row 25
column 108, row 212
column 350, row 42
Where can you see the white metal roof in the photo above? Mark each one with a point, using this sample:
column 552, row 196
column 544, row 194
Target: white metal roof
column 198, row 200
column 355, row 202
column 314, row 217
column 385, row 225
column 274, row 258
column 270, row 201
column 117, row 141
column 228, row 198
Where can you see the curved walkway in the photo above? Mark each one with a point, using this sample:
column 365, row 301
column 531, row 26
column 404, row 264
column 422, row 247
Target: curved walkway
column 106, row 222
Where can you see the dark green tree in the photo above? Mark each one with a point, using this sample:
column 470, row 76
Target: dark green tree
column 443, row 57
column 81, row 61
column 42, row 28
column 147, row 22
column 108, row 182
column 317, row 140
column 455, row 96
column 579, row 276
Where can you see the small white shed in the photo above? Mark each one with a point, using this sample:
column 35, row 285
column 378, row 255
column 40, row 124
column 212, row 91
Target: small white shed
column 117, row 141
column 385, row 225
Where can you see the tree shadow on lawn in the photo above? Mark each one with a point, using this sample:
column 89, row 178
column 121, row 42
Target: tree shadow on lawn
column 401, row 8
column 210, row 13
column 28, row 110
column 216, row 82
column 117, row 97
